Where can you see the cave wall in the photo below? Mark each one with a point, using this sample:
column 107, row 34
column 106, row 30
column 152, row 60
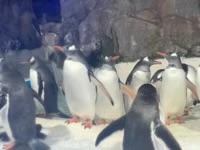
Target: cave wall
column 131, row 28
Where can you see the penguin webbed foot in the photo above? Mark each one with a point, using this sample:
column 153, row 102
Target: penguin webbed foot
column 178, row 120
column 72, row 120
column 4, row 137
column 186, row 111
column 88, row 124
column 8, row 146
column 167, row 121
column 100, row 121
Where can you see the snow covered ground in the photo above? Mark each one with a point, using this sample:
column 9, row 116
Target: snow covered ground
column 61, row 136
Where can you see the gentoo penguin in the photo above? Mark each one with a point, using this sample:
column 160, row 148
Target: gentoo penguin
column 173, row 89
column 43, row 82
column 139, row 75
column 79, row 87
column 190, row 72
column 143, row 129
column 108, row 76
column 18, row 113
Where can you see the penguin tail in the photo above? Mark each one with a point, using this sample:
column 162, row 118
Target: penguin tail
column 38, row 145
column 114, row 126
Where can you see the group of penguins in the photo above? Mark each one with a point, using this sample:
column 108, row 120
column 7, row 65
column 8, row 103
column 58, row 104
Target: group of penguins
column 141, row 106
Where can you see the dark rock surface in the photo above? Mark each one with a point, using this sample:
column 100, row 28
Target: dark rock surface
column 132, row 28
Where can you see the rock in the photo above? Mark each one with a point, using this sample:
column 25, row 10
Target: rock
column 18, row 27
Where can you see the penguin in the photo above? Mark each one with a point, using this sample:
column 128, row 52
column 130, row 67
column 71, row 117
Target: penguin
column 139, row 75
column 43, row 82
column 190, row 72
column 18, row 113
column 173, row 96
column 142, row 126
column 79, row 77
column 108, row 76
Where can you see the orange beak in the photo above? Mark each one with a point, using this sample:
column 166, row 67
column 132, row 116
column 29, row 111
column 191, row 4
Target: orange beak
column 57, row 47
column 161, row 54
column 24, row 62
column 115, row 57
column 156, row 62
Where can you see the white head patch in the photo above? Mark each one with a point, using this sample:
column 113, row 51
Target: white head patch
column 72, row 48
column 146, row 59
column 32, row 59
column 106, row 58
column 174, row 54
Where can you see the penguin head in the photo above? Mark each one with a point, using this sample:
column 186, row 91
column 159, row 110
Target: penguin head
column 146, row 91
column 173, row 59
column 148, row 62
column 3, row 95
column 145, row 63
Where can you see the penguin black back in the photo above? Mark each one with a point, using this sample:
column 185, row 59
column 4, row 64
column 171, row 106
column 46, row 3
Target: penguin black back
column 142, row 126
column 46, row 82
column 21, row 109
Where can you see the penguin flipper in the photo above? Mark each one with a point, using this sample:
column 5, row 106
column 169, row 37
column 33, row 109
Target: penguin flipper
column 129, row 78
column 162, row 137
column 40, row 84
column 114, row 126
column 192, row 87
column 102, row 87
column 38, row 98
column 127, row 90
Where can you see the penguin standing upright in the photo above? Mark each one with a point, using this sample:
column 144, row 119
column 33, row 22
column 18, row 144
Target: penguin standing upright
column 173, row 88
column 108, row 76
column 18, row 113
column 79, row 87
column 43, row 82
column 143, row 129
column 139, row 75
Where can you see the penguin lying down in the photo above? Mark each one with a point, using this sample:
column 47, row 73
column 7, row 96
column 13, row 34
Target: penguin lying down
column 143, row 129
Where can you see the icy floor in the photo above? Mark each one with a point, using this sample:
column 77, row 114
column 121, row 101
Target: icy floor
column 61, row 136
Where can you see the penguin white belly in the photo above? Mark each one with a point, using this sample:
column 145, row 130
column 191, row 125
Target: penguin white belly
column 34, row 82
column 80, row 92
column 139, row 78
column 5, row 122
column 173, row 92
column 104, row 109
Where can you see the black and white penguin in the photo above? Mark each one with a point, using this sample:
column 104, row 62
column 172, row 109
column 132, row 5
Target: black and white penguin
column 139, row 75
column 79, row 87
column 143, row 129
column 108, row 76
column 43, row 82
column 18, row 113
column 173, row 96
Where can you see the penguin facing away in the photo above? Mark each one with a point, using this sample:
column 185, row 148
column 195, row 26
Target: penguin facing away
column 142, row 126
column 108, row 76
column 43, row 82
column 18, row 113
column 173, row 96
column 78, row 77
column 139, row 75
